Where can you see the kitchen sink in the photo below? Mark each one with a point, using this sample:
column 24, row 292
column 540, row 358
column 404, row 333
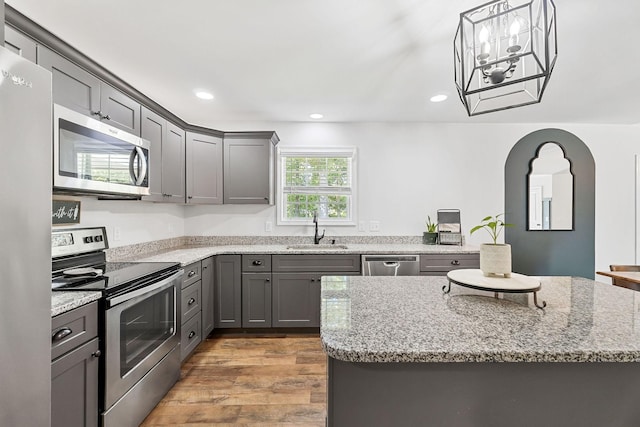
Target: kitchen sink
column 316, row 247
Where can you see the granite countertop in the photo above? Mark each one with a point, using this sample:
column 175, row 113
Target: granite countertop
column 410, row 319
column 63, row 301
column 188, row 254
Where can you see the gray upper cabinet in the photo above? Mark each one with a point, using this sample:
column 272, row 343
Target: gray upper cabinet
column 166, row 158
column 119, row 110
column 81, row 91
column 249, row 167
column 19, row 43
column 204, row 169
column 73, row 87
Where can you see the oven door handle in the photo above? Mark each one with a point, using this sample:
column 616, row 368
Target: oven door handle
column 161, row 285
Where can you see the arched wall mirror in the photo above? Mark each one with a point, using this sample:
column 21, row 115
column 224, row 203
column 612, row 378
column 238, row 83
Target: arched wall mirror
column 550, row 184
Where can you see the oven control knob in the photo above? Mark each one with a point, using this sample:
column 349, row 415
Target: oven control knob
column 97, row 238
column 88, row 239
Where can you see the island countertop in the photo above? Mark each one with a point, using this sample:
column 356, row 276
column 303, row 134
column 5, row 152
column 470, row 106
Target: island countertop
column 410, row 319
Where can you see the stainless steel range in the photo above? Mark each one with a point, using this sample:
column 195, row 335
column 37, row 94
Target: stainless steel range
column 139, row 321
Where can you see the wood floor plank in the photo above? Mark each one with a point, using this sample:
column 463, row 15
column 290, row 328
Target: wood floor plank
column 248, row 381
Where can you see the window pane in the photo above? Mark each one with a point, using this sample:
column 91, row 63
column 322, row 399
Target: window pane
column 316, row 183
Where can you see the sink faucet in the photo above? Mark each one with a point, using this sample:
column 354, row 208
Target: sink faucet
column 317, row 237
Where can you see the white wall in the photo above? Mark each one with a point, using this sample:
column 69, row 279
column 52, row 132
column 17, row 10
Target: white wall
column 135, row 221
column 406, row 172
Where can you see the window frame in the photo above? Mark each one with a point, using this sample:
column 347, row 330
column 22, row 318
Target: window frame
column 348, row 152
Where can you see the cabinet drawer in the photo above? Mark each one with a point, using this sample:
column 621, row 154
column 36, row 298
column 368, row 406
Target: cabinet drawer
column 191, row 301
column 192, row 274
column 447, row 262
column 191, row 336
column 316, row 263
column 73, row 328
column 256, row 263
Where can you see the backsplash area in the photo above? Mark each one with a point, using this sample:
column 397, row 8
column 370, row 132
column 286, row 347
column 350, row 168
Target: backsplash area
column 125, row 252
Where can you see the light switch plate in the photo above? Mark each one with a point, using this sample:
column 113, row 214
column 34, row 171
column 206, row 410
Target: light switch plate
column 374, row 225
column 362, row 226
column 268, row 226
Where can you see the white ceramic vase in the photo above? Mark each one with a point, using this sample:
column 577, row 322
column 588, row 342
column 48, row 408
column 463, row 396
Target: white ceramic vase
column 495, row 259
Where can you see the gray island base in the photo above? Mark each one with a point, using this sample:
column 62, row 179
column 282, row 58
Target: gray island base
column 402, row 353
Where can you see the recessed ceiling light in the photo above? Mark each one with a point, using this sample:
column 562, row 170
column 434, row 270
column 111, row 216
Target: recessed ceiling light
column 316, row 116
column 204, row 95
column 438, row 98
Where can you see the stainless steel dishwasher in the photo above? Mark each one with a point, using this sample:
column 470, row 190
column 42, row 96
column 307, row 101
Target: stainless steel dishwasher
column 390, row 265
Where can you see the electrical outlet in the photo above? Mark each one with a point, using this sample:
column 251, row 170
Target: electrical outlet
column 362, row 226
column 374, row 225
column 117, row 234
column 268, row 226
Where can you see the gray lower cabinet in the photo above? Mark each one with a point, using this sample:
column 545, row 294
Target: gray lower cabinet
column 256, row 300
column 74, row 367
column 296, row 300
column 295, row 295
column 204, row 169
column 441, row 264
column 76, row 88
column 249, row 167
column 166, row 158
column 190, row 309
column 228, row 292
column 19, row 43
column 208, row 295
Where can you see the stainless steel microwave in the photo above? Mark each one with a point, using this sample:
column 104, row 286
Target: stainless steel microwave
column 92, row 157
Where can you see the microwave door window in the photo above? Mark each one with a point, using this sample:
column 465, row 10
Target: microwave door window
column 90, row 155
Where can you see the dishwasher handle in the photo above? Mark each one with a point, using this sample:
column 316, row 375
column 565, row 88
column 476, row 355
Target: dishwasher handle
column 391, row 264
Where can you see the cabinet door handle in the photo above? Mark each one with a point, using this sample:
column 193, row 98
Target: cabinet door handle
column 267, row 280
column 191, row 301
column 313, row 280
column 192, row 334
column 191, row 273
column 189, row 197
column 107, row 117
column 61, row 334
column 97, row 354
column 455, row 262
column 96, row 113
column 257, row 262
column 204, row 267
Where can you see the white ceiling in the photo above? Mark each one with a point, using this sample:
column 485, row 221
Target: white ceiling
column 373, row 60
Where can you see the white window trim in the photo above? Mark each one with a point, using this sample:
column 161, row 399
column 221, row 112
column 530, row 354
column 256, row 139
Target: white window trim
column 318, row 152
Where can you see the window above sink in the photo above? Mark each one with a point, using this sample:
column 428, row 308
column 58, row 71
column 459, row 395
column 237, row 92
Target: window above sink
column 318, row 180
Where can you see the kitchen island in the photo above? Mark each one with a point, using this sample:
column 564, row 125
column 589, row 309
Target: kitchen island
column 402, row 352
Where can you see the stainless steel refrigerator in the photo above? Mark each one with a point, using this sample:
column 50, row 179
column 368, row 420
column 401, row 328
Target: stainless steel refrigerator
column 25, row 242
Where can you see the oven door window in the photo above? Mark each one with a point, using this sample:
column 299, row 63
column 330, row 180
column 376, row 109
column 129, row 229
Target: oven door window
column 144, row 327
column 94, row 156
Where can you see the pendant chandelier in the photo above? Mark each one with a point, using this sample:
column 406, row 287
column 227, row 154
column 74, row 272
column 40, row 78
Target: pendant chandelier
column 504, row 53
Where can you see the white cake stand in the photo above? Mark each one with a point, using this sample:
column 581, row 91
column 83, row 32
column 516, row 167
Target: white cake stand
column 475, row 279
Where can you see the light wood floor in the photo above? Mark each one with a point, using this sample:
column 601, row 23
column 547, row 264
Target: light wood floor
column 279, row 381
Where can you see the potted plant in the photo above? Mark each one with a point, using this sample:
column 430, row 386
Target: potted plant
column 495, row 258
column 430, row 237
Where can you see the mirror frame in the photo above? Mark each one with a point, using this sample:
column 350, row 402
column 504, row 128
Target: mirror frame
column 573, row 187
